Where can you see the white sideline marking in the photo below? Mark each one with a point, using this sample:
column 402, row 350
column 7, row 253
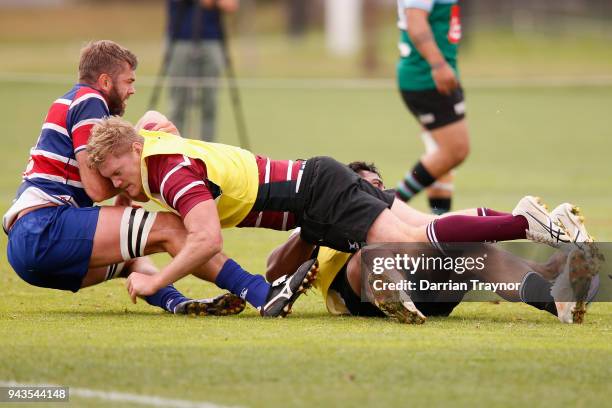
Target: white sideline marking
column 329, row 83
column 148, row 400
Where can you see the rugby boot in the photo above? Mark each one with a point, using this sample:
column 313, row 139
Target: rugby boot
column 222, row 305
column 286, row 289
column 541, row 227
column 396, row 303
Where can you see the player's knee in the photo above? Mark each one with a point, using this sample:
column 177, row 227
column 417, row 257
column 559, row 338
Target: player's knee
column 215, row 244
column 462, row 151
column 457, row 153
column 167, row 234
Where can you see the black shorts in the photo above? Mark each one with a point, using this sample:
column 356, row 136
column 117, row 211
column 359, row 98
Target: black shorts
column 430, row 304
column 434, row 110
column 339, row 207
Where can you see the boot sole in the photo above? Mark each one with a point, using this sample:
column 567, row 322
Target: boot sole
column 224, row 305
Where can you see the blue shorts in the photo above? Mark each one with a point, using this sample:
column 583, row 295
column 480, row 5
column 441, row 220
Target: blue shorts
column 51, row 247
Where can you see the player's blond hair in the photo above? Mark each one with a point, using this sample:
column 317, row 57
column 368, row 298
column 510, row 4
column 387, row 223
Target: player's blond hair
column 104, row 57
column 112, row 136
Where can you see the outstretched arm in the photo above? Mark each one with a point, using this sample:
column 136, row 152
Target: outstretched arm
column 203, row 241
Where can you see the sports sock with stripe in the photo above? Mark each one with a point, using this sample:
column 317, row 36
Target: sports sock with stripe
column 252, row 288
column 414, row 181
column 465, row 228
column 167, row 298
column 487, row 212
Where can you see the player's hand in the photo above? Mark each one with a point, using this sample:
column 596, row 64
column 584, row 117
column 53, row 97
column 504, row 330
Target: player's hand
column 166, row 126
column 444, row 77
column 140, row 284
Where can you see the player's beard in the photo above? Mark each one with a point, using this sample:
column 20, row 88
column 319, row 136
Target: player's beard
column 116, row 105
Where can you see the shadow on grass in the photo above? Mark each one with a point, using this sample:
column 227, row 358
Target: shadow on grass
column 159, row 314
column 312, row 316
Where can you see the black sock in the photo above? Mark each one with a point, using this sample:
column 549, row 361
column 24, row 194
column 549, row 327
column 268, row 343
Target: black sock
column 414, row 181
column 535, row 291
column 440, row 206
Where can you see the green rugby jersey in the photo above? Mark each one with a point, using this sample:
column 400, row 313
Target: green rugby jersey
column 413, row 71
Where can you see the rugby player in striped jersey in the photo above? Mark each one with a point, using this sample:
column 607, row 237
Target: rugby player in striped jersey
column 59, row 240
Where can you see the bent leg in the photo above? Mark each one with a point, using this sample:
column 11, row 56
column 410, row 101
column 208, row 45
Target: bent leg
column 452, row 142
column 409, row 215
column 441, row 191
column 119, row 270
column 416, row 218
column 126, row 232
column 389, row 227
column 503, row 266
column 453, row 147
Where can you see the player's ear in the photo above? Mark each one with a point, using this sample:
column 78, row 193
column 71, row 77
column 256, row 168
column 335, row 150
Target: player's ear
column 137, row 147
column 105, row 82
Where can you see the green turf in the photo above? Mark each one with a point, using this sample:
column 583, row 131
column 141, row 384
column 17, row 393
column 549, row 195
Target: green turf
column 546, row 141
column 554, row 142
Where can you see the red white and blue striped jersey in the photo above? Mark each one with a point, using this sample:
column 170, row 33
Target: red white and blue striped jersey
column 52, row 173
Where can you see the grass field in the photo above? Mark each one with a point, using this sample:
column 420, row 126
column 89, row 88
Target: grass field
column 549, row 141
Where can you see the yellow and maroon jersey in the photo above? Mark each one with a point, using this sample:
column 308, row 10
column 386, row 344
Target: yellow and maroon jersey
column 251, row 191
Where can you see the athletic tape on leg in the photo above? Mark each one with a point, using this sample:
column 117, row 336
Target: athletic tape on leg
column 114, row 270
column 430, row 144
column 136, row 223
column 443, row 186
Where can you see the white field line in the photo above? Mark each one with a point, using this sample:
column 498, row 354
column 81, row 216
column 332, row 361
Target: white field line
column 147, row 400
column 327, row 83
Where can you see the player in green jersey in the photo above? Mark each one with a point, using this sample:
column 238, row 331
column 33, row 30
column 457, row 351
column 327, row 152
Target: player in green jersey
column 429, row 84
